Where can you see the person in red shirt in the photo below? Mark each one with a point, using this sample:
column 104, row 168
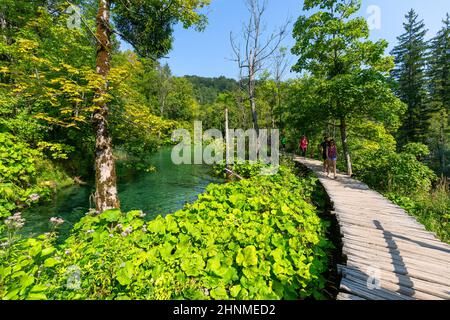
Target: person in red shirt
column 303, row 145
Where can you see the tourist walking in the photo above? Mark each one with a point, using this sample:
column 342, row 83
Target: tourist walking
column 324, row 146
column 332, row 157
column 304, row 146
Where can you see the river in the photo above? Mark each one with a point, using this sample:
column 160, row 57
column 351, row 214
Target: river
column 160, row 193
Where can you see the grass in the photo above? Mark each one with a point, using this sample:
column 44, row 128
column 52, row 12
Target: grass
column 432, row 209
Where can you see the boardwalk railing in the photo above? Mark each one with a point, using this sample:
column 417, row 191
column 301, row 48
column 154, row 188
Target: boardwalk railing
column 390, row 256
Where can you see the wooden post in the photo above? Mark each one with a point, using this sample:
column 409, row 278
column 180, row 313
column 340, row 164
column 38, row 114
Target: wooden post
column 345, row 148
column 227, row 146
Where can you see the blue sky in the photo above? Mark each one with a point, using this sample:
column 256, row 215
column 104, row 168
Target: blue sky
column 208, row 53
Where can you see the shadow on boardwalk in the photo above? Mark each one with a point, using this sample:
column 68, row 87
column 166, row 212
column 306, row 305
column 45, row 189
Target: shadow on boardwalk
column 399, row 266
column 389, row 255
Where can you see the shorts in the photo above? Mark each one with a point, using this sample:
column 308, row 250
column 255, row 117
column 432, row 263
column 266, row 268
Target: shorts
column 324, row 157
column 333, row 159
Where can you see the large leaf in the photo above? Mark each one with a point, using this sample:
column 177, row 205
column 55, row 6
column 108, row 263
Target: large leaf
column 247, row 257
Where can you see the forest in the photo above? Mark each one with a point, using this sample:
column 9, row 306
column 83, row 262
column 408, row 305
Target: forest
column 74, row 107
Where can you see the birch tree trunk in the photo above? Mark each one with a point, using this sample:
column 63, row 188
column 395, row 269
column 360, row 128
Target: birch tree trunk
column 106, row 195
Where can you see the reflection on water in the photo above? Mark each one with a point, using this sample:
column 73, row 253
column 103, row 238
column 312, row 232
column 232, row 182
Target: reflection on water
column 159, row 193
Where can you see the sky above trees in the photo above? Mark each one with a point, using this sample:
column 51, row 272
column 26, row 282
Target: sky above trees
column 209, row 53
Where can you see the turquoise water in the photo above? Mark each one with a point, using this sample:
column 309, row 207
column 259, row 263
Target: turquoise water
column 164, row 191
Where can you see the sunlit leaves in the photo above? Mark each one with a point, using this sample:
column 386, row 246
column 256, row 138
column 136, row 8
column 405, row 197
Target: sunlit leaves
column 247, row 257
column 272, row 249
column 148, row 25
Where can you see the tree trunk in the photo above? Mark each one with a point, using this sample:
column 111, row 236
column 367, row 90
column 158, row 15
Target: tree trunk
column 279, row 104
column 228, row 146
column 251, row 95
column 2, row 21
column 346, row 151
column 162, row 107
column 106, row 196
column 254, row 115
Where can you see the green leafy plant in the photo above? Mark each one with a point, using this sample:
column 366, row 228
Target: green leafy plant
column 19, row 186
column 254, row 239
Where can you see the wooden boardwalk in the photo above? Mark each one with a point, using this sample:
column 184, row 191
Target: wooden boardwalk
column 390, row 256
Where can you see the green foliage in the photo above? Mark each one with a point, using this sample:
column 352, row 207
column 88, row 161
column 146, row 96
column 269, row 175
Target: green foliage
column 207, row 90
column 400, row 173
column 431, row 209
column 245, row 169
column 48, row 84
column 253, row 239
column 148, row 25
column 213, row 115
column 439, row 89
column 349, row 81
column 410, row 60
column 136, row 128
column 332, row 42
column 46, row 87
column 181, row 103
column 350, row 71
column 21, row 279
column 19, row 186
column 417, row 149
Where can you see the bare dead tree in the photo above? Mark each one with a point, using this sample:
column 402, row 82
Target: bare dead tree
column 255, row 49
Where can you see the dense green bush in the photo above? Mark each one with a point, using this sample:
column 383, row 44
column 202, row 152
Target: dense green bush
column 26, row 175
column 253, row 239
column 407, row 181
column 245, row 169
column 431, row 209
column 249, row 169
column 17, row 175
column 400, row 173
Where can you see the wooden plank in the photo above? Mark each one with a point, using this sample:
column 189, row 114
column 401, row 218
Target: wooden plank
column 413, row 263
column 404, row 247
column 373, row 211
column 374, row 205
column 385, row 225
column 407, row 264
column 349, row 297
column 384, row 250
column 420, row 290
column 398, row 257
column 429, row 243
column 360, row 288
column 390, row 226
column 382, row 219
column 392, row 287
column 364, row 264
column 357, row 210
column 390, row 233
column 374, row 215
column 409, row 270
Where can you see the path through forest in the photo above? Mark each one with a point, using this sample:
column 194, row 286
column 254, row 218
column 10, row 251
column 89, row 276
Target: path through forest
column 390, row 256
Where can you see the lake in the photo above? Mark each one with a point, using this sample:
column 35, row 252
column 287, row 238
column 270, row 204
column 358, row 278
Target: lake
column 160, row 193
